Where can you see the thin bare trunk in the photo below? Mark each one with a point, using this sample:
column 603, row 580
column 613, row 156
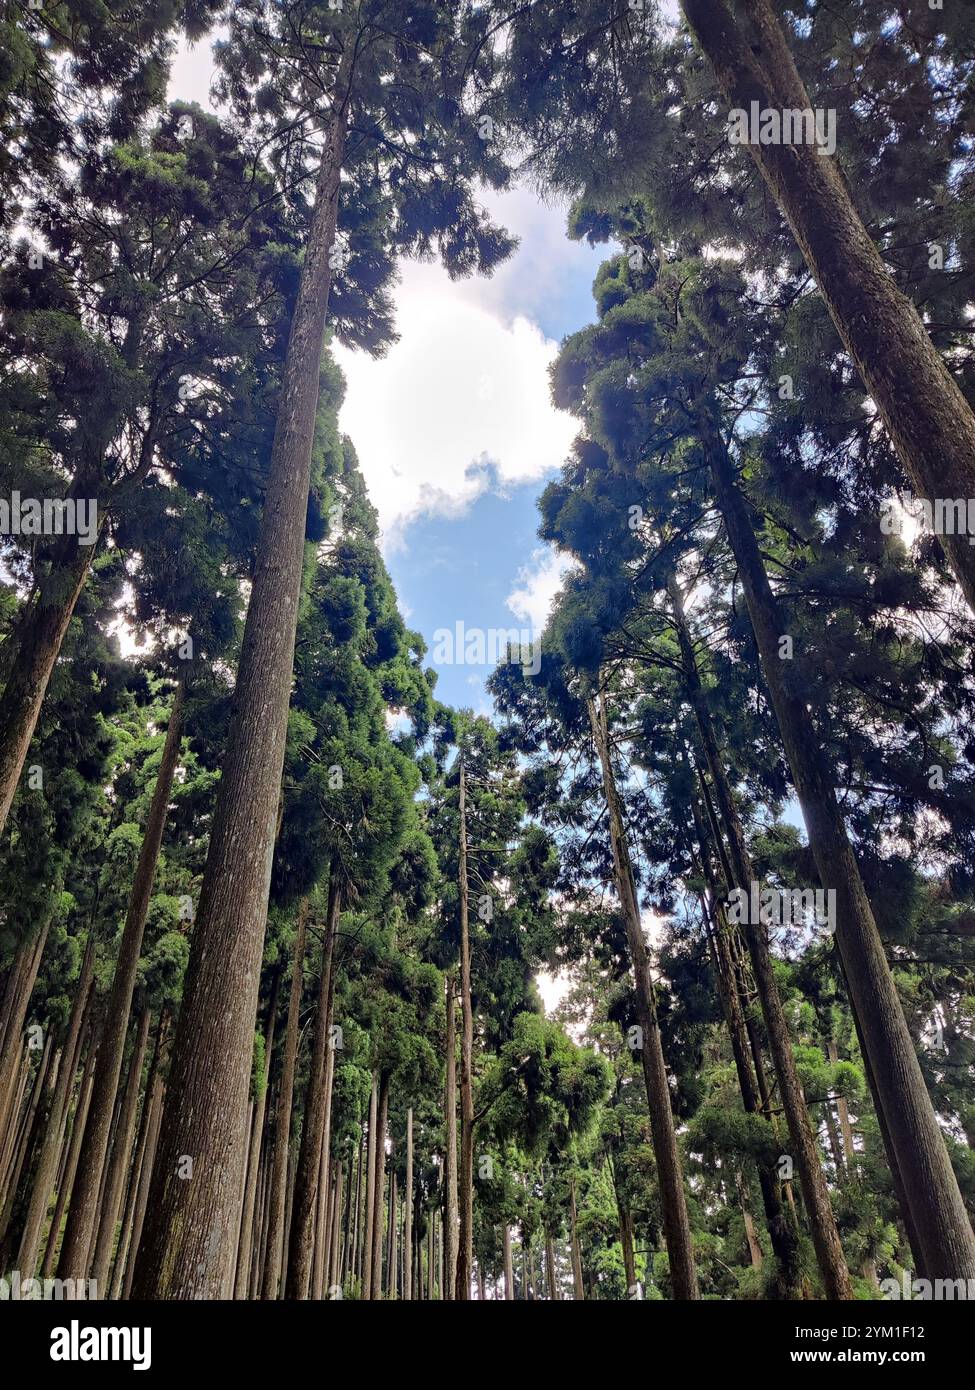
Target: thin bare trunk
column 677, row 1228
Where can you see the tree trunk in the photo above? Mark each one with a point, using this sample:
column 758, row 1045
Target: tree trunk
column 431, row 1275
column 675, row 1219
column 408, row 1211
column 244, row 1245
column 322, row 1237
column 20, row 987
column 826, row 1240
column 187, row 1252
column 930, row 423
column 301, row 1247
column 46, row 1171
column 450, row 1157
column 843, row 1114
column 509, row 1269
column 626, row 1244
column 382, row 1114
column 754, row 1249
column 277, row 1195
column 71, row 1167
column 370, row 1208
column 82, row 1214
column 550, row 1270
column 138, row 1165
column 41, row 629
column 145, row 1176
column 938, row 1211
column 24, row 1136
column 118, row 1160
column 465, row 1247
column 335, row 1244
column 578, row 1287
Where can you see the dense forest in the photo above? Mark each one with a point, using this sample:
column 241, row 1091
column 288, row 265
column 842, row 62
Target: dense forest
column 275, row 916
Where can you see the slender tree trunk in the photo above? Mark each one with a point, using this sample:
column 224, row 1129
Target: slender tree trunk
column 353, row 1261
column 186, row 1251
column 71, row 1167
column 82, row 1214
column 930, row 423
column 450, row 1156
column 118, row 1160
column 675, row 1219
column 41, row 629
column 24, row 1137
column 277, row 1195
column 754, row 1249
column 335, row 1244
column 826, row 1240
column 371, row 1165
column 938, row 1212
column 392, row 1257
column 843, row 1114
column 245, row 1243
column 324, row 1214
column 509, row 1269
column 313, row 1125
column 20, row 987
column 408, row 1211
column 142, row 1195
column 578, row 1287
column 47, row 1165
column 382, row 1113
column 431, row 1287
column 465, row 1250
column 626, row 1243
column 138, row 1165
column 550, row 1270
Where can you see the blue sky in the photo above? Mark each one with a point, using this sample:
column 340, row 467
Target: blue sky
column 454, row 429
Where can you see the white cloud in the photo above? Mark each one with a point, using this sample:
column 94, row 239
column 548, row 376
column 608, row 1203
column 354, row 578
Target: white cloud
column 461, row 400
column 537, row 584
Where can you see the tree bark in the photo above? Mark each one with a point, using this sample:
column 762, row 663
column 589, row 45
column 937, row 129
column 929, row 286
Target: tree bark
column 71, row 1166
column 465, row 1246
column 379, row 1180
column 930, row 423
column 335, row 1244
column 578, row 1287
column 41, row 630
column 118, row 1160
column 142, row 1194
column 938, row 1212
column 370, row 1213
column 20, row 987
column 675, row 1219
column 843, row 1114
column 450, row 1156
column 47, row 1164
column 82, row 1214
column 187, row 1252
column 509, row 1269
column 245, row 1242
column 552, row 1273
column 626, row 1244
column 301, row 1248
column 324, row 1210
column 277, row 1196
column 139, row 1162
column 825, row 1236
column 408, row 1211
